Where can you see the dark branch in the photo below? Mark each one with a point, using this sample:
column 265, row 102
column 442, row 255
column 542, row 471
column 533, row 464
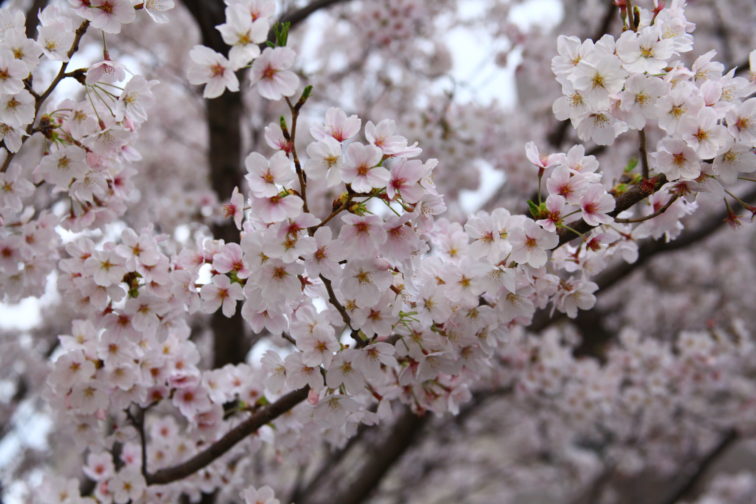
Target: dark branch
column 689, row 485
column 646, row 252
column 229, row 440
column 635, row 194
column 297, row 16
column 32, row 17
column 381, row 459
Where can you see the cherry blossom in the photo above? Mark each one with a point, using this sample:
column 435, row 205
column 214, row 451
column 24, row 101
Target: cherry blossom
column 375, row 295
column 212, row 69
column 270, row 73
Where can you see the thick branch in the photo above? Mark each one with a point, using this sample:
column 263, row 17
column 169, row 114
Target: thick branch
column 297, row 16
column 381, row 459
column 650, row 249
column 224, row 118
column 229, row 440
column 687, row 487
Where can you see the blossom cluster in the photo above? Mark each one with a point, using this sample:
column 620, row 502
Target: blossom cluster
column 245, row 30
column 635, row 82
column 87, row 142
column 368, row 296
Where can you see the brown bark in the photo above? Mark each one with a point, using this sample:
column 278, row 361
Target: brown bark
column 229, row 440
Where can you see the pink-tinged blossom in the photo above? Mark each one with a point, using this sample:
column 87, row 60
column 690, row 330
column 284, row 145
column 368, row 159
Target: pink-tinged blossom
column 555, row 208
column 579, row 163
column 14, row 188
column 324, row 260
column 570, row 51
column 229, row 259
column 599, row 76
column 741, row 123
column 535, row 157
column 156, row 8
column 563, row 183
column 99, row 466
column 277, row 281
column 134, row 100
column 274, row 371
column 221, row 291
column 291, row 238
column 576, row 294
column 138, row 250
column 259, row 319
column 677, row 160
column 595, row 205
column 106, row 267
column 361, row 236
column 334, row 410
column 191, row 400
column 109, row 15
column 378, row 319
column 600, row 127
column 267, row 177
column 11, row 137
column 402, row 240
column 431, row 304
column 234, row 208
column 405, row 178
column 337, row 125
column 361, row 170
column 318, row 346
column 373, row 358
column 703, row 134
column 270, row 72
column 12, row 73
column 276, row 140
column 325, row 161
column 643, row 52
column 735, row 159
column 343, row 371
column 489, row 234
column 212, row 69
column 704, row 68
column 364, row 281
column 17, row 110
column 299, row 374
column 243, row 35
column 277, row 208
column 126, row 486
column 638, row 101
column 70, row 368
column 684, row 99
column 88, row 397
column 383, row 135
column 263, row 495
column 530, row 243
column 55, row 38
column 572, row 105
column 105, row 71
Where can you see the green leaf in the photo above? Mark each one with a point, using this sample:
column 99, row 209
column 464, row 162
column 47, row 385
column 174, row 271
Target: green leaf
column 281, row 32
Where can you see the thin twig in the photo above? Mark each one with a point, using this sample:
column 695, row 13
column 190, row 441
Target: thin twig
column 229, row 440
column 40, row 99
column 650, row 216
column 138, row 422
column 644, row 154
column 635, row 194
